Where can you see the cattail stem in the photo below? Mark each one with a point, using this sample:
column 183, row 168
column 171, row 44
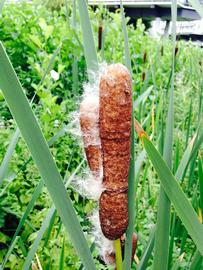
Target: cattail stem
column 117, row 246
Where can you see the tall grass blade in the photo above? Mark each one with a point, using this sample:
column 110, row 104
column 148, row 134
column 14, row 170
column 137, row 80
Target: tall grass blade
column 36, row 142
column 177, row 264
column 61, row 263
column 179, row 174
column 50, row 64
column 9, row 251
column 197, row 144
column 35, row 195
column 147, row 252
column 29, row 208
column 88, row 39
column 189, row 123
column 175, row 194
column 185, row 159
column 196, row 261
column 8, row 155
column 40, row 234
column 131, row 177
column 47, row 222
column 2, row 2
column 161, row 252
column 143, row 97
column 126, row 43
column 200, row 169
column 75, row 62
column 14, row 140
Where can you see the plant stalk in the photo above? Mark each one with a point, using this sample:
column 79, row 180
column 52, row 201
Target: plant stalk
column 117, row 246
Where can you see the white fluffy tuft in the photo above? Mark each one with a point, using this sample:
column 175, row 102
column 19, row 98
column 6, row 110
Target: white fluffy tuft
column 90, row 185
column 105, row 246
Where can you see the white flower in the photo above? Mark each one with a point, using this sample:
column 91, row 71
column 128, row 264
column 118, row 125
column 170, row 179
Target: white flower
column 54, row 75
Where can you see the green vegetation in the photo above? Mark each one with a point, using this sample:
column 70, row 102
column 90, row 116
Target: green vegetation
column 49, row 50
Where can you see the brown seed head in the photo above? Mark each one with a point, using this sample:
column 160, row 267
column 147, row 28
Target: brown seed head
column 90, row 132
column 115, row 116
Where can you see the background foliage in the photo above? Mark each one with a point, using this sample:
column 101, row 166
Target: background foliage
column 31, row 34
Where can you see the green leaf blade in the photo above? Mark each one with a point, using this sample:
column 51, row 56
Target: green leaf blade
column 38, row 146
column 174, row 192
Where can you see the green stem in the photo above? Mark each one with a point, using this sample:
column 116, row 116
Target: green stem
column 117, row 245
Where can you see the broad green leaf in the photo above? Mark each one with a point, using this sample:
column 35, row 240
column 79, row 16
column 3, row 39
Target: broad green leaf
column 36, row 40
column 40, row 152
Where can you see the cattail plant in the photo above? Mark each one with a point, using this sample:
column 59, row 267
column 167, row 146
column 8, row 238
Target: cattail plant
column 115, row 110
column 105, row 121
column 100, row 32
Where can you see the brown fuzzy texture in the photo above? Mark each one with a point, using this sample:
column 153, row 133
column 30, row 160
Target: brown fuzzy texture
column 145, row 57
column 89, row 127
column 134, row 246
column 100, row 31
column 113, row 213
column 115, row 112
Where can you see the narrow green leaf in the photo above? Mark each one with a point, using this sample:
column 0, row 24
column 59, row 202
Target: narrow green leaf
column 8, row 155
column 14, row 140
column 50, row 65
column 61, row 262
column 175, row 194
column 35, row 195
column 189, row 123
column 161, row 252
column 88, row 39
column 197, row 144
column 197, row 261
column 147, row 252
column 177, row 264
column 36, row 142
column 185, row 159
column 22, row 246
column 131, row 177
column 75, row 62
column 2, row 2
column 179, row 174
column 35, row 245
column 200, row 169
column 9, row 252
column 143, row 97
column 49, row 230
column 126, row 43
column 47, row 222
